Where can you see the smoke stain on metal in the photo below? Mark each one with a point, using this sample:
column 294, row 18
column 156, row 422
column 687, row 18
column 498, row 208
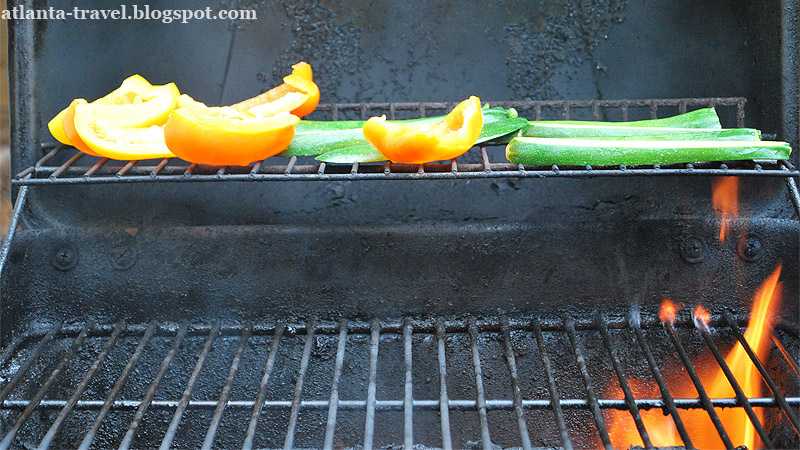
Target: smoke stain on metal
column 556, row 36
column 323, row 37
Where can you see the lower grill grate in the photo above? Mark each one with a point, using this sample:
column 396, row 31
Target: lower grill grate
column 437, row 383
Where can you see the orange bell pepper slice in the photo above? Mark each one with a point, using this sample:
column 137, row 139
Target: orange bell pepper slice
column 298, row 94
column 225, row 136
column 418, row 144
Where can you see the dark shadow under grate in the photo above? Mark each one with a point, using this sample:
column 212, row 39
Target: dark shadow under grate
column 447, row 384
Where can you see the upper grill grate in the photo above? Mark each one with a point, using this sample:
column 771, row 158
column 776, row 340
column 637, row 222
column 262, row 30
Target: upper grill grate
column 67, row 166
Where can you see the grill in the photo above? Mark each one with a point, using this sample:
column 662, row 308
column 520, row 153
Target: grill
column 470, row 303
column 100, row 171
column 424, row 383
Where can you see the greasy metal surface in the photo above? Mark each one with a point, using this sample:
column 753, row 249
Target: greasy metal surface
column 336, row 358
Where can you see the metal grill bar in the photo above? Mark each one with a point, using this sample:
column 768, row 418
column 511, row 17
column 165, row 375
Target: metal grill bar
column 444, row 402
column 662, row 385
column 476, row 364
column 112, row 396
column 762, row 433
column 701, row 390
column 66, row 165
column 23, row 369
column 262, row 390
column 420, row 327
column 12, row 227
column 551, row 386
column 516, row 393
column 418, row 405
column 408, row 398
column 76, row 344
column 187, row 393
column 367, row 172
column 790, row 414
column 623, row 383
column 298, row 388
column 794, row 194
column 226, row 391
column 369, row 422
column 592, row 401
column 59, row 422
column 786, row 355
column 330, row 427
column 127, row 440
column 101, row 163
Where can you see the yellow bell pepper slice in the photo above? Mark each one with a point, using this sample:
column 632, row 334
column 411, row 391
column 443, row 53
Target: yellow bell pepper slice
column 136, row 103
column 97, row 132
column 298, row 94
column 418, row 144
column 225, row 136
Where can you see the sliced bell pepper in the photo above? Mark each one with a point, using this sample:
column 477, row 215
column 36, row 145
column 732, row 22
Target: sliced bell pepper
column 225, row 136
column 417, row 144
column 298, row 94
column 126, row 143
column 136, row 103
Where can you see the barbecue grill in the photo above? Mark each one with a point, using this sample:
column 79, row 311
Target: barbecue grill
column 464, row 304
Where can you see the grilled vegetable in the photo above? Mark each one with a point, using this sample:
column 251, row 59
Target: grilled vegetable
column 344, row 142
column 136, row 103
column 548, row 130
column 499, row 128
column 298, row 94
column 224, row 136
column 699, row 118
column 416, row 144
column 579, row 152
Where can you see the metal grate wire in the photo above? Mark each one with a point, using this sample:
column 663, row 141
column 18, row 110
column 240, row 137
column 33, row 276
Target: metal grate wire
column 402, row 346
column 78, row 168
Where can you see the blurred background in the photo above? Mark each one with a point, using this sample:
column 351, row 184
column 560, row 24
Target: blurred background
column 5, row 193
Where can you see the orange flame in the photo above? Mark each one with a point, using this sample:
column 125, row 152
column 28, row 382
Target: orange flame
column 725, row 198
column 661, row 428
column 739, row 427
column 668, row 311
column 701, row 315
column 621, row 427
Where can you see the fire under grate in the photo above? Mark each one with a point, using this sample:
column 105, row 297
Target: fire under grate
column 437, row 383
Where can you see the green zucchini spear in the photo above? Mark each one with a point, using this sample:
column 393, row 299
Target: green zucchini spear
column 699, row 118
column 547, row 130
column 599, row 152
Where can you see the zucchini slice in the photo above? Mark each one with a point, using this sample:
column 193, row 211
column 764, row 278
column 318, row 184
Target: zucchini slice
column 580, row 152
column 549, row 130
column 699, row 118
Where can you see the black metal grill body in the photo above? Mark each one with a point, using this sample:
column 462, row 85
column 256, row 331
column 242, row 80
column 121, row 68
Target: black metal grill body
column 408, row 272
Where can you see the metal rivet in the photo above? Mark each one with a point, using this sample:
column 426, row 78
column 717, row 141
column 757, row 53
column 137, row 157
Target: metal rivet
column 123, row 259
column 693, row 250
column 64, row 258
column 751, row 248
